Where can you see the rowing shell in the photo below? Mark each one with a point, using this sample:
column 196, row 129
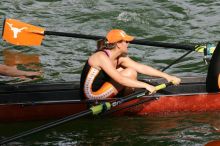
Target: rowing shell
column 38, row 101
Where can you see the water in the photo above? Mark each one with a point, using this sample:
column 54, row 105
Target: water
column 189, row 21
column 173, row 130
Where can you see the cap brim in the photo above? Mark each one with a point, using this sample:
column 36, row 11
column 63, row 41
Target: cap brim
column 128, row 38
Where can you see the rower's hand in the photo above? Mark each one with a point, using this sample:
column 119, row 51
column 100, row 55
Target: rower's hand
column 173, row 79
column 151, row 89
column 33, row 74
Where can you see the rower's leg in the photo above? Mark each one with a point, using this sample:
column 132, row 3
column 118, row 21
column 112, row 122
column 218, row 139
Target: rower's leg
column 130, row 73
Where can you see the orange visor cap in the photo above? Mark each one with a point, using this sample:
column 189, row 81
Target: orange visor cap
column 117, row 35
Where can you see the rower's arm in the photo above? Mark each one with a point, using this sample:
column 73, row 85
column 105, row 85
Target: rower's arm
column 147, row 70
column 107, row 66
column 141, row 68
column 14, row 72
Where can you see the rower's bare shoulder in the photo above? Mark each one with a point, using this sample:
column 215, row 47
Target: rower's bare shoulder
column 97, row 58
column 124, row 58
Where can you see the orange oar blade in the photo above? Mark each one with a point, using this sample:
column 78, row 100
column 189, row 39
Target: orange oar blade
column 20, row 33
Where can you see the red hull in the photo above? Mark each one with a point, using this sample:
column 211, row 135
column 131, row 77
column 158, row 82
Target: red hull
column 165, row 104
column 38, row 112
column 184, row 103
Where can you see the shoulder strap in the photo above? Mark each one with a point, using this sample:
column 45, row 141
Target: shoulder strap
column 107, row 52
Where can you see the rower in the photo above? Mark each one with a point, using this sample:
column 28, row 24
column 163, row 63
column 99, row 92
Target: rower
column 13, row 58
column 14, row 72
column 213, row 75
column 110, row 70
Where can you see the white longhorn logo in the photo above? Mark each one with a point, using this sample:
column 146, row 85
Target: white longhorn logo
column 15, row 30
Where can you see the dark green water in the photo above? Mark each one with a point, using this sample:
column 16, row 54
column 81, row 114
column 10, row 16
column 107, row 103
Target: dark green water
column 170, row 130
column 189, row 21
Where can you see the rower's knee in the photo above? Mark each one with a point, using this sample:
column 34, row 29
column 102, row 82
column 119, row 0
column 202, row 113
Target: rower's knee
column 129, row 72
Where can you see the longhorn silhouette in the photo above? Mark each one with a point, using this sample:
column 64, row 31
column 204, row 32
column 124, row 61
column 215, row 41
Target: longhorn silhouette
column 15, row 30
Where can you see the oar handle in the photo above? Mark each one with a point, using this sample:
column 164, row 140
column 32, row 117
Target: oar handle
column 164, row 85
column 138, row 94
column 107, row 105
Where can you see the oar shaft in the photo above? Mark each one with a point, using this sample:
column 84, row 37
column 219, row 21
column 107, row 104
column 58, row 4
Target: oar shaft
column 75, row 35
column 177, row 60
column 46, row 126
column 138, row 94
column 36, row 34
column 136, row 41
column 93, row 110
column 165, row 45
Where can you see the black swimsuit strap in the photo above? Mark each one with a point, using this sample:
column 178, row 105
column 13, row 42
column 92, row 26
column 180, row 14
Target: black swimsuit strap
column 105, row 51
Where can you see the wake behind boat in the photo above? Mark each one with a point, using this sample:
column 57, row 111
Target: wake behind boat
column 38, row 101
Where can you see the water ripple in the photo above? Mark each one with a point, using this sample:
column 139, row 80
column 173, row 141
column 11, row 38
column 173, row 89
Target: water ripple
column 168, row 21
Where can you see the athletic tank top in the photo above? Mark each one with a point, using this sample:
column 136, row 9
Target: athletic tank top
column 213, row 71
column 100, row 77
